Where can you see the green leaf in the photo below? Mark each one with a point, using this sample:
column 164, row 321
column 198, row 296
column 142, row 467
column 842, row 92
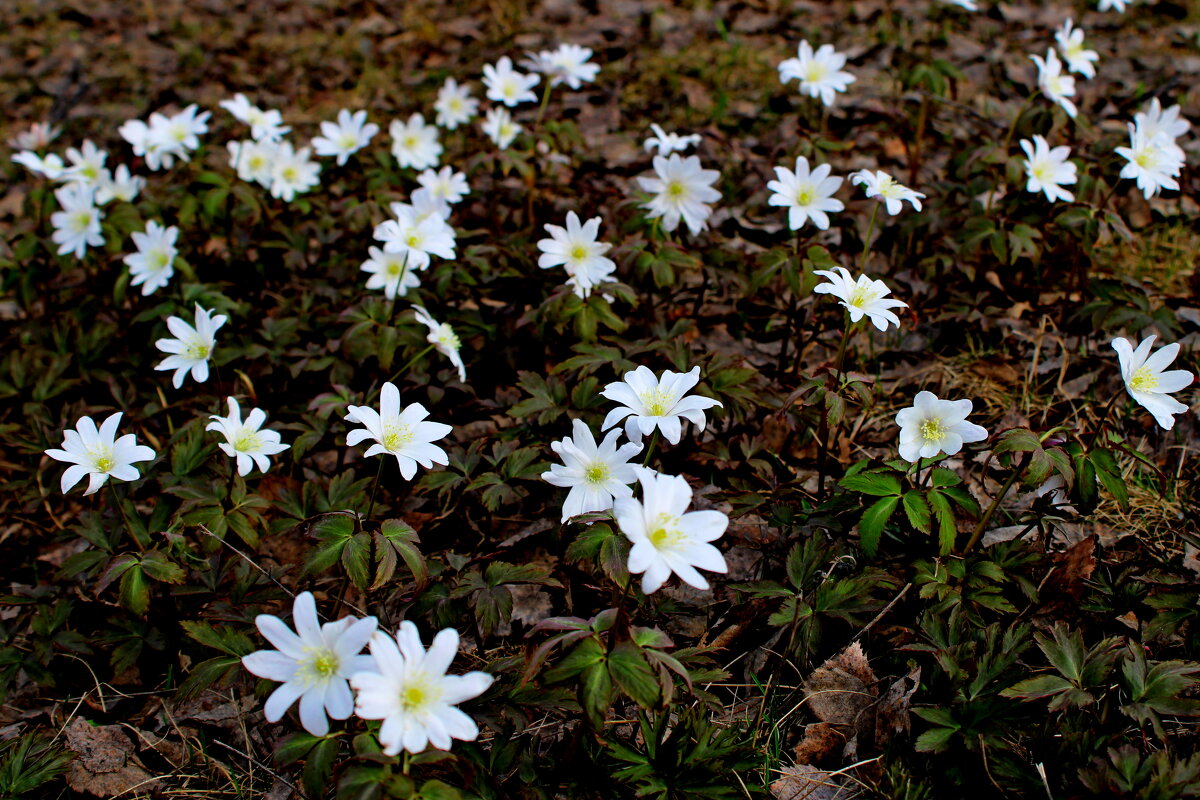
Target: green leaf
column 870, row 527
column 355, row 558
column 630, row 670
column 947, row 528
column 294, row 748
column 318, row 767
column 135, row 594
column 1036, row 688
column 872, row 483
column 595, row 694
column 160, row 569
column 917, row 510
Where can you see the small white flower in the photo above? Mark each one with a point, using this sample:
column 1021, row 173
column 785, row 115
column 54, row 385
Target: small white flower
column 402, row 433
column 1053, row 83
column 410, row 691
column 119, row 186
column 1154, row 122
column 254, row 161
column 178, row 134
column 1070, row 44
column 444, row 340
column 576, row 250
column 1114, row 5
column 390, row 272
column 862, row 297
column 568, row 64
column 265, row 126
column 666, row 537
column 423, row 204
column 415, row 144
column 148, row 146
column 77, row 225
column 313, row 664
column 661, row 402
column 820, row 73
column 1148, row 382
column 506, row 85
column 681, row 190
column 417, row 237
column 153, row 264
column 86, row 166
column 1153, row 162
column 1048, row 169
column 969, row 5
column 345, row 137
column 445, row 185
column 39, row 135
column 51, row 166
column 500, row 127
column 931, row 426
column 292, row 171
column 666, row 143
column 192, row 347
column 807, row 195
column 883, row 186
column 454, row 106
column 99, row 454
column 594, row 474
column 245, row 441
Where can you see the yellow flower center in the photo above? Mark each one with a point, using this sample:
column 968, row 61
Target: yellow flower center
column 816, row 72
column 597, row 473
column 657, row 402
column 248, row 442
column 419, row 694
column 455, row 104
column 675, row 189
column 160, row 259
column 104, row 464
column 410, row 142
column 396, row 436
column 1041, row 171
column 197, row 351
column 348, row 140
column 318, row 665
column 862, row 296
column 804, row 196
column 81, row 220
column 289, row 174
column 578, row 252
column 412, row 240
column 665, row 532
column 1143, row 380
column 932, row 430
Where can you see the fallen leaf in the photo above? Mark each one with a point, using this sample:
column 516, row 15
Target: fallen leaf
column 107, row 765
column 805, row 782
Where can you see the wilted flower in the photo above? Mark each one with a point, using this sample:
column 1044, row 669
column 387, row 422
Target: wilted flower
column 666, row 537
column 191, row 348
column 265, row 126
column 454, row 105
column 292, row 171
column 576, row 250
column 444, row 340
column 415, row 144
column 1147, row 381
column 862, row 297
column 402, row 433
column 568, row 64
column 77, row 225
column 661, row 402
column 313, row 664
column 153, row 264
column 931, row 426
column 119, row 186
column 1070, row 43
column 1053, row 83
column 99, row 454
column 500, row 127
column 667, row 143
column 681, row 190
column 1154, row 162
column 245, row 441
column 345, row 137
column 445, row 185
column 820, row 73
column 886, row 189
column 594, row 474
column 410, row 691
column 390, row 272
column 1048, row 169
column 807, row 195
column 506, row 85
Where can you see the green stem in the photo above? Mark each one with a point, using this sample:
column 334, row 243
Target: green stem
column 229, row 483
column 867, row 240
column 1104, row 417
column 537, row 123
column 1012, row 129
column 991, row 510
column 375, row 489
column 650, row 449
column 124, row 518
column 375, row 392
column 841, row 353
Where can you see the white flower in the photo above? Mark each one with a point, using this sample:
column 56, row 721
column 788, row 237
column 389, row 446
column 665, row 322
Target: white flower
column 443, row 339
column 245, row 441
column 454, row 105
column 254, row 161
column 86, row 166
column 1053, row 83
column 39, row 135
column 51, row 166
column 99, row 454
column 1070, row 44
column 594, row 474
column 1147, row 382
column 500, row 127
column 345, row 137
column 667, row 143
column 153, row 264
column 1154, row 122
column 661, row 402
column 969, row 5
column 119, row 186
column 178, row 135
column 191, row 348
column 1153, row 162
column 820, row 73
column 411, row 692
column 150, row 142
column 883, row 186
column 931, row 426
column 568, row 64
column 313, row 664
column 444, row 185
column 666, row 536
column 416, row 237
column 415, row 144
column 506, row 85
column 807, row 195
column 265, row 126
column 1048, row 169
column 862, row 297
column 404, row 434
column 1114, row 5
column 77, row 225
column 576, row 250
column 389, row 271
column 292, row 171
column 423, row 204
column 681, row 190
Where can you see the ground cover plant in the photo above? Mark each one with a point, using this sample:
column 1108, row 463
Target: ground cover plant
column 599, row 400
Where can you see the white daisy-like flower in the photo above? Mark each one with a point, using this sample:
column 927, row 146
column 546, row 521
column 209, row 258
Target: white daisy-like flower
column 1114, row 5
column 666, row 537
column 52, row 166
column 121, row 185
column 39, row 135
column 265, row 125
column 99, row 454
column 86, row 165
column 153, row 264
column 1153, row 162
column 423, row 203
column 445, row 184
column 415, row 144
column 454, row 105
column 1053, row 83
column 192, row 347
column 820, row 73
column 1148, row 381
column 666, row 143
column 1078, row 57
column 345, row 137
column 292, row 171
column 595, row 474
column 246, row 441
column 648, row 402
column 862, row 297
column 254, row 161
column 178, row 134
column 404, row 433
column 931, row 426
column 500, row 127
column 390, row 272
column 410, row 691
column 886, row 189
column 417, row 237
column 149, row 141
column 567, row 64
column 444, row 340
column 313, row 664
column 1048, row 169
column 1154, row 121
column 576, row 250
column 77, row 225
column 969, row 5
column 681, row 190
column 806, row 194
column 506, row 85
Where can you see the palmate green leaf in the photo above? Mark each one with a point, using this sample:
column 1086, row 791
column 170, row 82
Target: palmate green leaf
column 947, row 528
column 917, row 509
column 595, row 694
column 872, row 483
column 213, row 672
column 632, row 673
column 588, row 653
column 870, row 527
column 227, row 640
column 1039, row 687
column 135, row 593
column 158, row 567
column 356, row 556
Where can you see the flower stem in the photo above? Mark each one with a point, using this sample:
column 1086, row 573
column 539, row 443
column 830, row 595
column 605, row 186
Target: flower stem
column 537, row 123
column 375, row 489
column 229, row 483
column 1012, row 129
column 841, row 352
column 650, row 449
column 991, row 510
column 375, row 392
column 124, row 518
column 867, row 240
column 1104, row 418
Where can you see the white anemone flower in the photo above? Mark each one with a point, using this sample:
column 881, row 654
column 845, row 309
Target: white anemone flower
column 445, row 185
column 390, row 272
column 806, row 194
column 416, row 237
column 576, row 250
column 415, row 144
column 265, row 125
column 245, row 441
column 52, row 166
column 444, row 340
column 86, row 165
column 99, row 454
column 77, row 225
column 403, row 433
column 820, row 73
column 1053, row 83
column 192, row 347
column 595, row 474
column 567, row 64
column 121, row 185
column 861, row 297
column 345, row 137
column 1154, row 121
column 1078, row 57
column 1148, row 381
column 454, row 105
column 931, row 426
column 666, row 537
column 1154, row 162
column 423, row 203
column 886, row 189
column 506, row 85
column 39, row 135
column 969, row 5
column 177, row 135
column 682, row 190
column 410, row 691
column 153, row 264
column 292, row 171
column 1048, row 169
column 1114, row 5
column 500, row 127
column 661, row 403
column 313, row 664
column 254, row 161
column 667, row 143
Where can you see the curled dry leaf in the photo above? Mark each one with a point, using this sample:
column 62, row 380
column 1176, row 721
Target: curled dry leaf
column 107, row 765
